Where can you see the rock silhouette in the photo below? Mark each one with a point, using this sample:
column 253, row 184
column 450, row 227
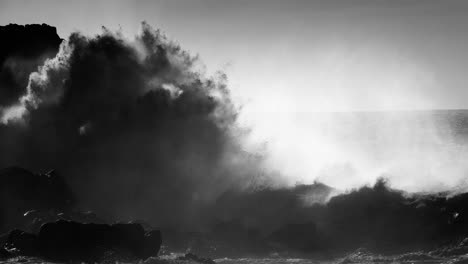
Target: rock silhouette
column 22, row 191
column 22, row 243
column 72, row 241
column 22, row 49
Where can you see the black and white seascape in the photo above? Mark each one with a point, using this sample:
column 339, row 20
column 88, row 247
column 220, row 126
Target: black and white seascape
column 234, row 132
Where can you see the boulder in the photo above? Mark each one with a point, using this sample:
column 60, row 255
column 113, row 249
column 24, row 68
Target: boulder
column 22, row 243
column 152, row 244
column 22, row 191
column 67, row 240
column 197, row 259
column 36, row 218
column 4, row 253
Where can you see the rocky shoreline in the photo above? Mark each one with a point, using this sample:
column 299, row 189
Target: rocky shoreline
column 72, row 241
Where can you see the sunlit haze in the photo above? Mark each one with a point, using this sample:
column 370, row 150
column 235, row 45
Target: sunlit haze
column 331, row 92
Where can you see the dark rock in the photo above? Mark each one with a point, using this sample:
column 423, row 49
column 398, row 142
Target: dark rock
column 193, row 257
column 67, row 240
column 4, row 253
column 36, row 218
column 21, row 191
column 22, row 50
column 152, row 244
column 22, row 243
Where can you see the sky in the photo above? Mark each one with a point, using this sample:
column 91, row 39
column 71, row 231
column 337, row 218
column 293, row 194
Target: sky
column 287, row 59
column 298, row 56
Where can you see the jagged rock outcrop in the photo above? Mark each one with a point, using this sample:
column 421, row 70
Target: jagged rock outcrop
column 72, row 241
column 22, row 49
column 22, row 191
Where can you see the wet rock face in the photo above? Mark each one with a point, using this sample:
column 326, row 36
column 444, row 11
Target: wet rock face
column 22, row 191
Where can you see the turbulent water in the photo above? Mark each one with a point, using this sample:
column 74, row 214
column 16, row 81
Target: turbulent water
column 165, row 118
column 359, row 256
